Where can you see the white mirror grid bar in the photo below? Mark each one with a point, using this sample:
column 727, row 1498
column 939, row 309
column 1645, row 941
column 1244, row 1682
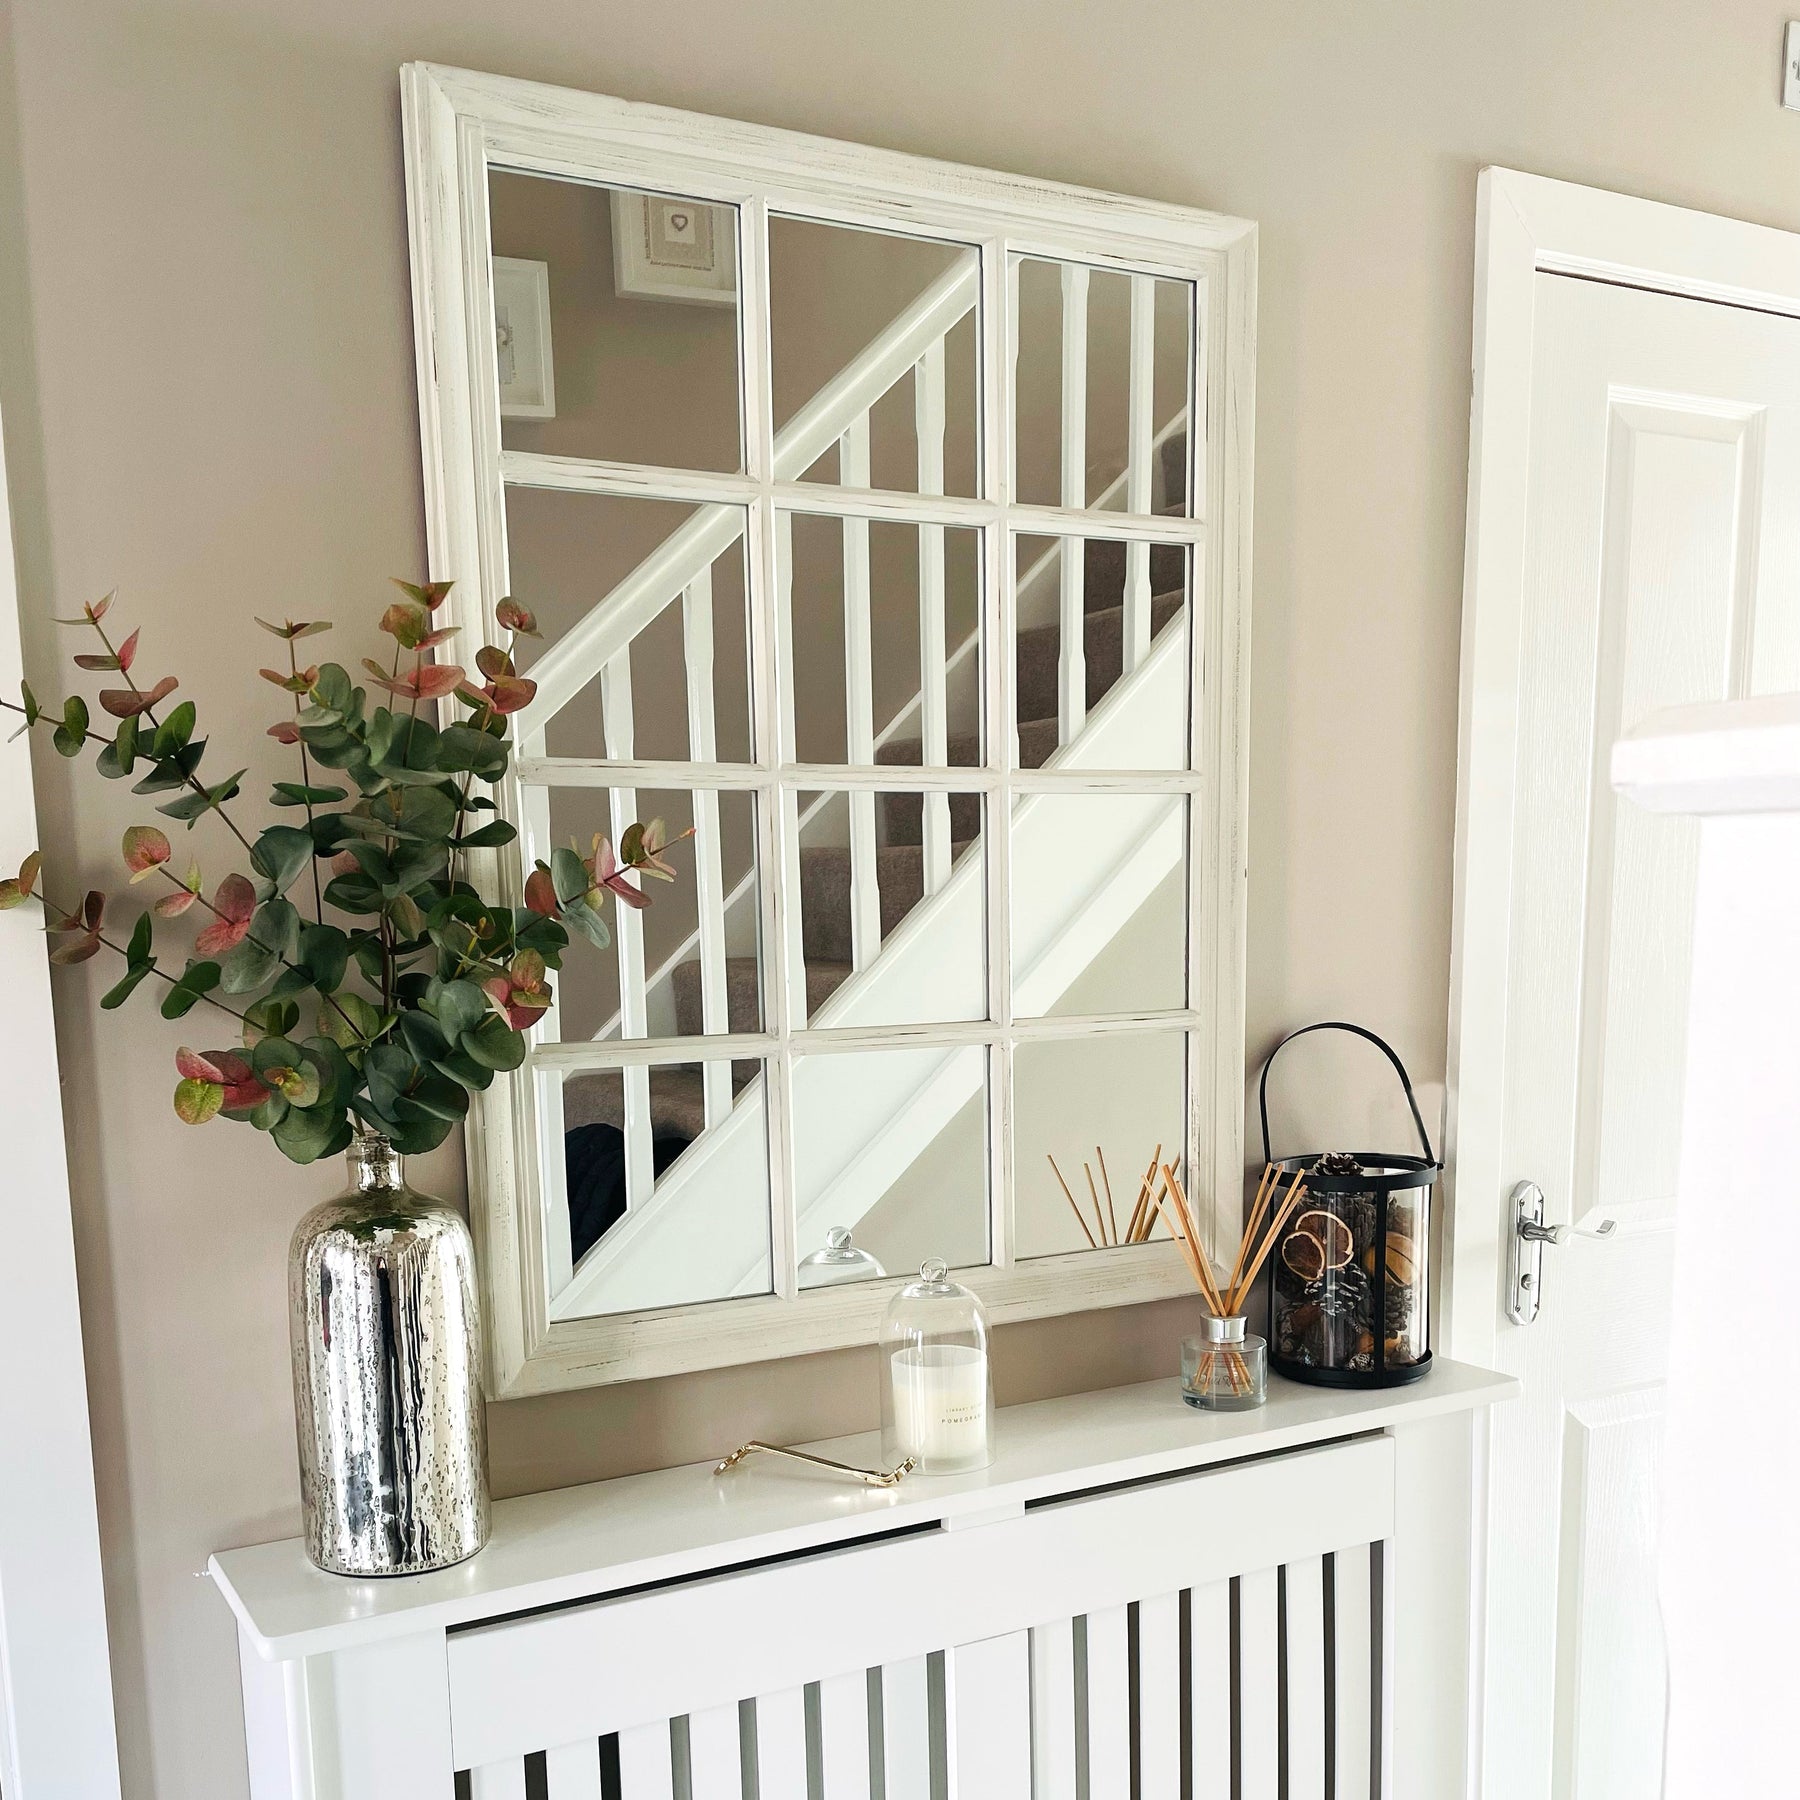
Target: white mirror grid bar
column 757, row 508
column 1260, row 1686
column 462, row 125
column 1214, row 1634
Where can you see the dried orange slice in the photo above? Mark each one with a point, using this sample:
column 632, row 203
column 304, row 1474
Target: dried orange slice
column 1304, row 1254
column 1400, row 1264
column 1336, row 1244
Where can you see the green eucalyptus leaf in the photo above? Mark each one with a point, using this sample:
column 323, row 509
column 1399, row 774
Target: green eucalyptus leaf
column 440, row 1096
column 458, row 1006
column 121, row 991
column 462, row 749
column 197, row 980
column 423, row 1036
column 137, row 950
column 306, row 1133
column 579, row 916
column 425, row 814
column 248, row 967
column 269, row 1111
column 294, row 793
column 281, row 854
column 348, row 1020
column 489, row 837
column 190, row 806
column 173, row 770
column 71, row 734
column 568, row 874
column 173, row 733
column 324, row 954
column 495, row 1044
column 354, row 894
column 277, row 924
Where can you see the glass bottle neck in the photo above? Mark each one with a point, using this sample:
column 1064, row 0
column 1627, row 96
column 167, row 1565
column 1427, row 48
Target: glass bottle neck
column 374, row 1164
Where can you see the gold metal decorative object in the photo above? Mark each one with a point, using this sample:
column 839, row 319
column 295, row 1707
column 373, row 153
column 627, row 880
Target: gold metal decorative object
column 881, row 1478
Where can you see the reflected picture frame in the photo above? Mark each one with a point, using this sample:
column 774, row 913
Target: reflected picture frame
column 522, row 346
column 669, row 248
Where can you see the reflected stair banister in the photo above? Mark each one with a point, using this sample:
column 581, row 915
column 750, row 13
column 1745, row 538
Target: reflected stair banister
column 574, row 660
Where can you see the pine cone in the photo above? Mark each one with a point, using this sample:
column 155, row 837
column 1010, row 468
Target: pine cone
column 1337, row 1162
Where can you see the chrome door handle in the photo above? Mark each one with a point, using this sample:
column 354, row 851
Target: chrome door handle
column 1529, row 1236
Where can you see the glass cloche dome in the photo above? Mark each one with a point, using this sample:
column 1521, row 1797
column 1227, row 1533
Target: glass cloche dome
column 937, row 1383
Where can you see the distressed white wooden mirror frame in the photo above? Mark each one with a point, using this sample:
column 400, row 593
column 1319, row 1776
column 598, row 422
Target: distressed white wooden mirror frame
column 459, row 125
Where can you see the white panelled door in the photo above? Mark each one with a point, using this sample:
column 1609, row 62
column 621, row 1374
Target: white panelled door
column 1635, row 544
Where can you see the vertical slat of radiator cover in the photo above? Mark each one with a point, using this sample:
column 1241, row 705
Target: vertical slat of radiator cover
column 859, row 706
column 1159, row 1697
column 844, row 1736
column 498, row 1781
column 1306, row 1651
column 988, row 1695
column 572, row 1771
column 906, row 1729
column 1053, row 1710
column 715, row 1755
column 1259, row 1672
column 1072, row 666
column 1109, row 1705
column 646, row 1768
column 781, row 1745
column 1352, row 1646
column 1209, row 1636
column 934, row 727
column 628, row 930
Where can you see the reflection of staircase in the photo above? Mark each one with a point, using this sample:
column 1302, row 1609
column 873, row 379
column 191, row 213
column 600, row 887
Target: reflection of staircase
column 677, row 1101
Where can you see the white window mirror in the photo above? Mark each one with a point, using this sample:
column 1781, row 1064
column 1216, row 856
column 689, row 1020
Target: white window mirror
column 910, row 568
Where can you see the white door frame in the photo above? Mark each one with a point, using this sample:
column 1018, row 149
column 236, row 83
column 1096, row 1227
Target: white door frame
column 1527, row 226
column 57, row 1739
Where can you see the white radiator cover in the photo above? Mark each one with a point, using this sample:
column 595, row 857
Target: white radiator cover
column 1136, row 1600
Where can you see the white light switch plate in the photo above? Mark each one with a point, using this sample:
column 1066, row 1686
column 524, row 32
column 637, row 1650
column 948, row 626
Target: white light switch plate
column 1790, row 68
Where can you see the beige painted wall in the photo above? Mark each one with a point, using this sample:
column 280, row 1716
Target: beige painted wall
column 205, row 346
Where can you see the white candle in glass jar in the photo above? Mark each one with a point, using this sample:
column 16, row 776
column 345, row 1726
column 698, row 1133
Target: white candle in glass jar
column 940, row 1404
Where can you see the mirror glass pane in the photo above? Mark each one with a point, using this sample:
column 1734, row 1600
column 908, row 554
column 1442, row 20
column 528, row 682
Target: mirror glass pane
column 1088, row 339
column 1099, row 903
column 616, row 323
column 1089, row 1115
column 884, row 645
column 875, row 897
column 1135, row 658
column 662, row 1209
column 689, row 961
column 676, row 684
column 891, row 1146
column 874, row 358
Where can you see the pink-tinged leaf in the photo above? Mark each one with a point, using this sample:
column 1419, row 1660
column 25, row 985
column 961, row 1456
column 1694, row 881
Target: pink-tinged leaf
column 128, row 653
column 290, row 629
column 285, row 731
column 93, row 659
column 510, row 693
column 77, row 949
column 610, row 876
column 429, row 594
column 145, row 850
column 299, row 1087
column 11, row 895
column 493, row 662
column 406, row 622
column 127, row 703
column 442, row 635
column 234, row 903
column 93, row 909
column 194, row 1065
column 344, row 863
column 172, row 906
column 436, row 680
column 99, row 609
column 16, row 891
column 540, row 893
column 28, row 871
column 197, row 1101
column 514, row 617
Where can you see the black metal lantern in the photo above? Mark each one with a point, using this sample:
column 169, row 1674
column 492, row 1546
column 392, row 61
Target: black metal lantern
column 1347, row 1299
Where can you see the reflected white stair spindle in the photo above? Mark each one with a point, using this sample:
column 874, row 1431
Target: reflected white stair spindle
column 934, row 725
column 628, row 936
column 859, row 705
column 1139, row 465
column 1071, row 708
column 709, row 871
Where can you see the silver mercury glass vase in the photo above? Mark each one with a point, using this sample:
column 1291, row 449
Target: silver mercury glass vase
column 387, row 1376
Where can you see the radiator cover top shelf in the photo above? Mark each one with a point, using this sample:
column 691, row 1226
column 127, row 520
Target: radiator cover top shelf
column 579, row 1543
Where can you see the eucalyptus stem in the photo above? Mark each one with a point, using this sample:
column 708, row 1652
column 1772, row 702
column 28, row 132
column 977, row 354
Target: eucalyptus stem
column 120, row 951
column 306, row 783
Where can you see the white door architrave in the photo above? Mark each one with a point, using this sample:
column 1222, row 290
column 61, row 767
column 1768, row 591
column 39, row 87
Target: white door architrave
column 56, row 1706
column 1592, row 366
